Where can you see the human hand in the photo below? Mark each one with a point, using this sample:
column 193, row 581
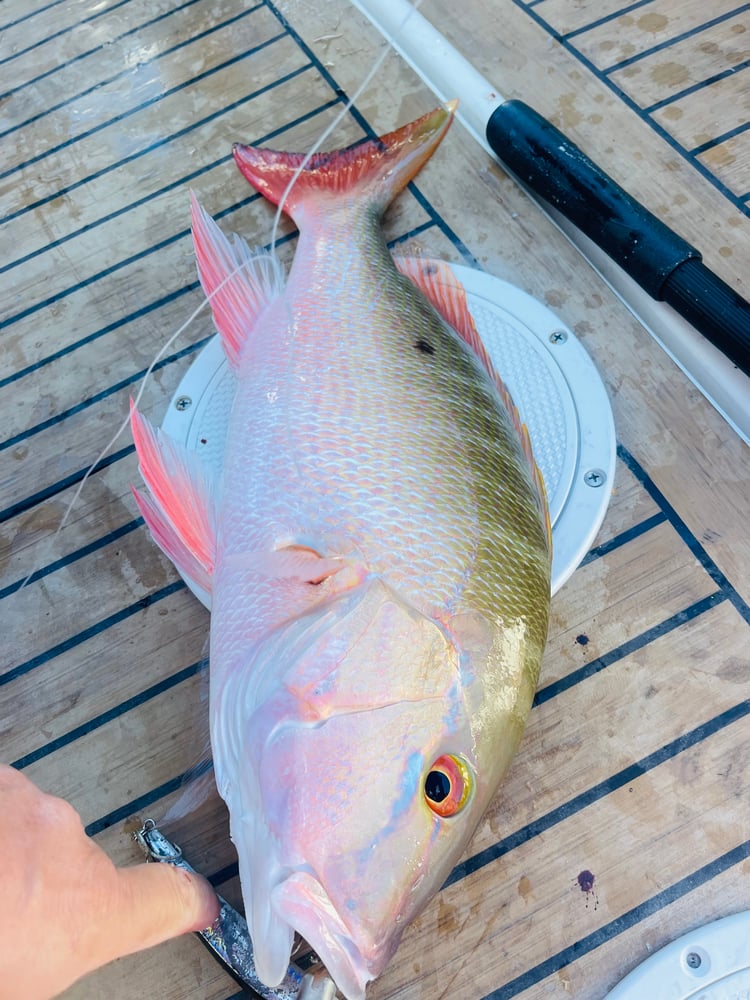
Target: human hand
column 65, row 908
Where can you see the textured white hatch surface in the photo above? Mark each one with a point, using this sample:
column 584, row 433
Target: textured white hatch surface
column 552, row 379
column 710, row 963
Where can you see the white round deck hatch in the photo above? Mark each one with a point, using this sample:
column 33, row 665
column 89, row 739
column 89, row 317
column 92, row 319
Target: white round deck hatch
column 710, row 963
column 552, row 379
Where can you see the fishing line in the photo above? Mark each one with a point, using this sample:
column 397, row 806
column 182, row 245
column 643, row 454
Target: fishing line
column 338, row 118
column 369, row 76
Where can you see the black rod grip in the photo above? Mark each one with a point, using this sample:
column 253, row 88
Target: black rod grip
column 713, row 308
column 555, row 168
column 666, row 266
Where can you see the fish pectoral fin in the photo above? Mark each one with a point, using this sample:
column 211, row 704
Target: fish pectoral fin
column 299, row 562
column 180, row 510
column 238, row 282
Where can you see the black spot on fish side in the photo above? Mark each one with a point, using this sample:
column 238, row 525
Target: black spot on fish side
column 582, row 640
column 425, row 347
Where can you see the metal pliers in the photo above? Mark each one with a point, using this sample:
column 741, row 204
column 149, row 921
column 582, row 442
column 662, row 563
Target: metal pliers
column 228, row 939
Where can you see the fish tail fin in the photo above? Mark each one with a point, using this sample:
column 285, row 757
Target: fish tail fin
column 374, row 170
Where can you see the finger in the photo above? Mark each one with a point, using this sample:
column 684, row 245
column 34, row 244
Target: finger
column 158, row 902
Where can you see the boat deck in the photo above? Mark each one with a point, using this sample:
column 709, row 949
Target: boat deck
column 624, row 820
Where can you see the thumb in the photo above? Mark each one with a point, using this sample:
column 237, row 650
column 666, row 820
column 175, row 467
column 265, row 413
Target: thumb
column 156, row 902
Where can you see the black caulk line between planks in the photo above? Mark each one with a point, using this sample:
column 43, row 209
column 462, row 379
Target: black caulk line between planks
column 622, row 923
column 96, row 48
column 156, row 145
column 99, row 396
column 128, row 72
column 135, row 806
column 117, row 119
column 124, row 210
column 685, row 533
column 628, row 101
column 93, row 630
column 620, row 779
column 101, row 720
column 73, row 557
column 63, row 31
column 732, row 133
column 21, row 506
column 642, row 528
column 599, row 21
column 684, row 36
column 708, row 82
column 629, row 647
column 33, row 13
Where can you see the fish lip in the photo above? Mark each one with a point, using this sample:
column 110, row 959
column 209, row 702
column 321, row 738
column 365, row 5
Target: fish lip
column 303, row 902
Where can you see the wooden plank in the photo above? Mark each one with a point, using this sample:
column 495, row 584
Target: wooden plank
column 730, row 161
column 613, row 599
column 176, row 115
column 568, row 18
column 125, row 47
column 654, row 26
column 674, row 68
column 695, row 120
column 40, row 43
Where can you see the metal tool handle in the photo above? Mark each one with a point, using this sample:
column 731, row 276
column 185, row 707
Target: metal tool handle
column 666, row 266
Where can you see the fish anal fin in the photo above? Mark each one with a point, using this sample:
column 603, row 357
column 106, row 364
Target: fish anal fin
column 238, row 282
column 179, row 511
column 438, row 282
column 171, row 544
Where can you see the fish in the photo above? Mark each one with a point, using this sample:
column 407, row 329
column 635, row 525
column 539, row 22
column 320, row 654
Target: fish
column 377, row 552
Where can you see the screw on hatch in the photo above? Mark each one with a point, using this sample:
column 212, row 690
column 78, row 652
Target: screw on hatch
column 693, row 960
column 595, row 478
column 183, row 403
column 558, row 337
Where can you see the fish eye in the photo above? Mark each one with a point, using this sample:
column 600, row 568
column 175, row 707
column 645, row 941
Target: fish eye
column 447, row 785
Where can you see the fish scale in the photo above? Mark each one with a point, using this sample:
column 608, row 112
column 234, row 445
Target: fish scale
column 378, row 555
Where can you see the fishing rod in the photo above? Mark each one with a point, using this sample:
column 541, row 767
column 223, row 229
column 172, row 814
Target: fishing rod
column 699, row 320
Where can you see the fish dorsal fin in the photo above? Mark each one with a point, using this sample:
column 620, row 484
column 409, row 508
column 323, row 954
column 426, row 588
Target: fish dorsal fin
column 180, row 510
column 238, row 282
column 438, row 282
column 373, row 170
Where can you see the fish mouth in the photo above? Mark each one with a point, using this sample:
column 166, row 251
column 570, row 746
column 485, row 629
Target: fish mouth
column 302, row 901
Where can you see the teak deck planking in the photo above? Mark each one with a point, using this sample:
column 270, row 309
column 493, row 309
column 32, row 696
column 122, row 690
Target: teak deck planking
column 634, row 766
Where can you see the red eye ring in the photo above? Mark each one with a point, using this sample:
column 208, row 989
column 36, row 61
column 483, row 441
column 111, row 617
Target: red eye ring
column 447, row 785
